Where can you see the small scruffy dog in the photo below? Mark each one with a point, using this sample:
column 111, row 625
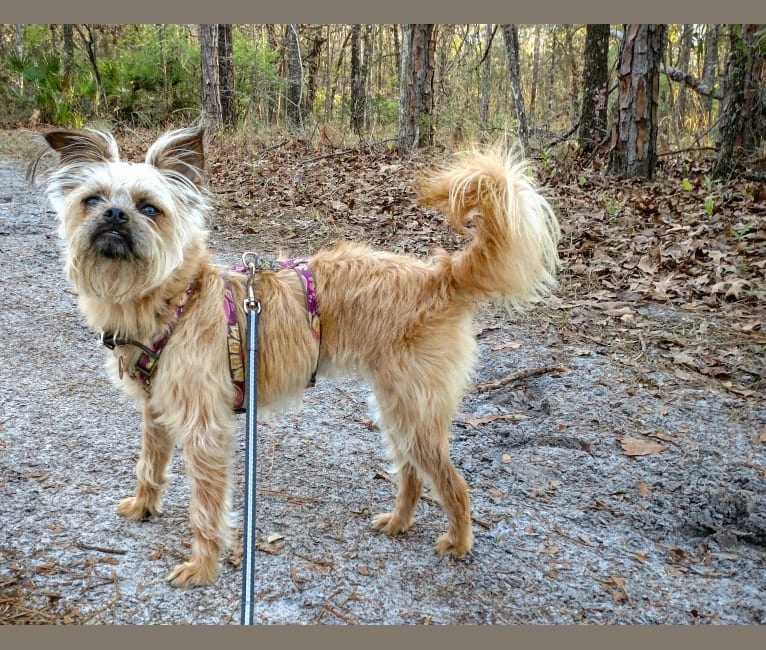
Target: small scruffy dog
column 137, row 257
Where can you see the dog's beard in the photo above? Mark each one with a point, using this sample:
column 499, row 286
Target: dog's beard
column 113, row 242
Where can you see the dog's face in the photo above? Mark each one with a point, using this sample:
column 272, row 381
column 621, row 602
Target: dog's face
column 127, row 226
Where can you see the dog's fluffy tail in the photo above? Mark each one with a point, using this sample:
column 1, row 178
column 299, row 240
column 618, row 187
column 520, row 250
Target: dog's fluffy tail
column 513, row 253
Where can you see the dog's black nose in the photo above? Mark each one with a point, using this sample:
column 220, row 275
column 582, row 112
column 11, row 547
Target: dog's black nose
column 115, row 215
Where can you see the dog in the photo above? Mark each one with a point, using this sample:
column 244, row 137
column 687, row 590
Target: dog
column 136, row 254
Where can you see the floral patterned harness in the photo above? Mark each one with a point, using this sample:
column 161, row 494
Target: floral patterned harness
column 236, row 349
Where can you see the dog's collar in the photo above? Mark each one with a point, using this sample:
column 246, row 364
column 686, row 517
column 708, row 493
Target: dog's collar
column 236, row 350
column 146, row 363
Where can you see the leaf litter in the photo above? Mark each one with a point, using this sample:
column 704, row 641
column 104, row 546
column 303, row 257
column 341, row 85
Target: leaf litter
column 612, row 441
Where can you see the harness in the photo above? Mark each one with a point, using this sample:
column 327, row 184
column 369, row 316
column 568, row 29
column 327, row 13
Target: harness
column 146, row 364
column 234, row 339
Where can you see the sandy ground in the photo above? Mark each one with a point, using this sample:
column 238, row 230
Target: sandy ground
column 571, row 526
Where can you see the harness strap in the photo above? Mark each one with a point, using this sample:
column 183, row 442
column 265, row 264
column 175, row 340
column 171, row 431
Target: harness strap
column 234, row 342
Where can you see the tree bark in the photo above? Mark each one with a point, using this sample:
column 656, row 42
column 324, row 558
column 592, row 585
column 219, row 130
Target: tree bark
column 486, row 77
column 593, row 114
column 357, row 81
column 68, row 51
column 743, row 111
column 312, row 61
column 367, row 45
column 416, row 91
column 333, row 79
column 511, row 35
column 697, row 85
column 535, row 71
column 210, row 92
column 710, row 63
column 226, row 76
column 294, row 79
column 683, row 64
column 635, row 149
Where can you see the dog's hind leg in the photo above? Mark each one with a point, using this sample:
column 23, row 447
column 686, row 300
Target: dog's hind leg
column 402, row 517
column 418, row 434
column 451, row 490
column 151, row 471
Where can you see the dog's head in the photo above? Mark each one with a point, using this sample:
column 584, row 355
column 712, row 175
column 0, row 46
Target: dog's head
column 127, row 226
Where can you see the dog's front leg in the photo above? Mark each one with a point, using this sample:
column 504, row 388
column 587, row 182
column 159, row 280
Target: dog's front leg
column 208, row 460
column 151, row 471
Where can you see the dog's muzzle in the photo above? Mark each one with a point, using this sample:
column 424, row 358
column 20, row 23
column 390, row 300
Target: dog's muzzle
column 112, row 237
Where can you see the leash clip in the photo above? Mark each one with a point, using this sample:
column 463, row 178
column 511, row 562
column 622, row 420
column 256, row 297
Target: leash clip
column 250, row 302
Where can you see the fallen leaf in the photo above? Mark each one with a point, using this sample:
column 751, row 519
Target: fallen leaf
column 509, row 345
column 715, row 371
column 643, row 489
column 474, row 422
column 646, row 265
column 662, row 436
column 639, row 446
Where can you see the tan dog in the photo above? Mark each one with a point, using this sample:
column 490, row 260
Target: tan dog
column 137, row 256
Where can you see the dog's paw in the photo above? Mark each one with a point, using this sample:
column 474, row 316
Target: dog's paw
column 446, row 545
column 132, row 508
column 193, row 574
column 390, row 524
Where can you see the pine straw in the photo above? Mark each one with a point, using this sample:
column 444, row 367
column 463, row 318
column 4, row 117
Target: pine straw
column 15, row 609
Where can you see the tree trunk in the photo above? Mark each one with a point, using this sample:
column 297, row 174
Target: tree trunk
column 89, row 39
column 574, row 70
column 226, row 76
column 270, row 87
column 416, row 86
column 333, row 79
column 210, row 90
column 743, row 111
column 593, row 115
column 486, row 78
column 683, row 65
column 367, row 72
column 635, row 149
column 357, row 81
column 535, row 71
column 294, row 79
column 710, row 64
column 511, row 35
column 68, row 51
column 312, row 61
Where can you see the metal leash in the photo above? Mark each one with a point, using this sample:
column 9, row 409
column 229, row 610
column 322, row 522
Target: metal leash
column 252, row 311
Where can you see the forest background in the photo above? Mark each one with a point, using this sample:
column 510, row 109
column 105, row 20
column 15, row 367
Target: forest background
column 620, row 93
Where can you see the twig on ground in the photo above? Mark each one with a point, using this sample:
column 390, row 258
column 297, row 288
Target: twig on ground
column 524, row 373
column 89, row 547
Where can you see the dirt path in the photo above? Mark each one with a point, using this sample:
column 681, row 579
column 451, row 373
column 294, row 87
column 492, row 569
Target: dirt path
column 570, row 527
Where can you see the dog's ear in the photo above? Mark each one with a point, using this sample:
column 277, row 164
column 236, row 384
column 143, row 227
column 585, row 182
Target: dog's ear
column 83, row 146
column 182, row 152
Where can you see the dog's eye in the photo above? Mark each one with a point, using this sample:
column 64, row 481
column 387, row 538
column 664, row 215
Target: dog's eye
column 92, row 201
column 149, row 210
